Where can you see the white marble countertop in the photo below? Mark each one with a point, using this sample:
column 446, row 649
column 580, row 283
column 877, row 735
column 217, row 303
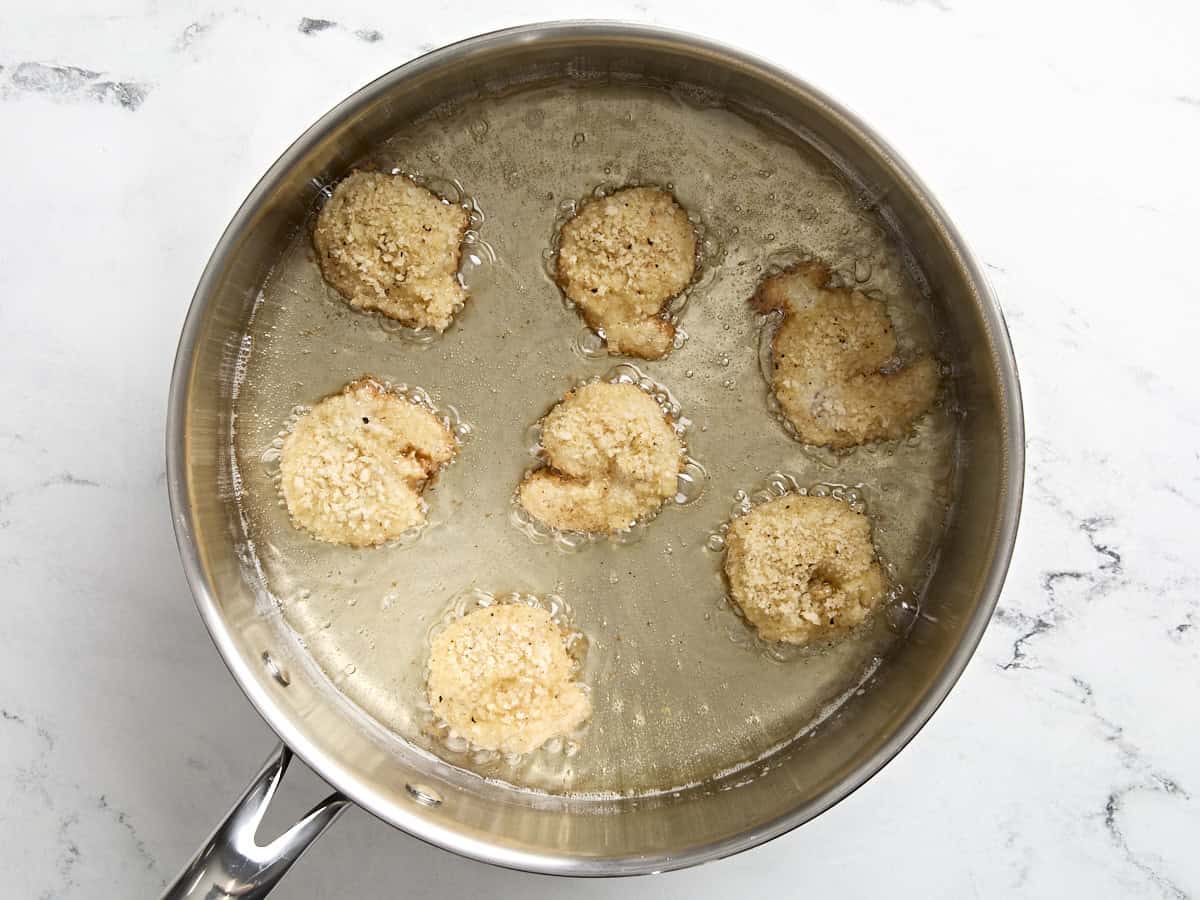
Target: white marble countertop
column 1062, row 138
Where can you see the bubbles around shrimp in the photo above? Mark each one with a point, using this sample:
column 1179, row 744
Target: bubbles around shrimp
column 710, row 253
column 768, row 328
column 460, row 748
column 272, row 457
column 476, row 253
column 898, row 609
column 690, row 483
column 853, row 277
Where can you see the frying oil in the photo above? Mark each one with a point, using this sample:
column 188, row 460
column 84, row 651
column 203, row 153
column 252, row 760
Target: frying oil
column 681, row 688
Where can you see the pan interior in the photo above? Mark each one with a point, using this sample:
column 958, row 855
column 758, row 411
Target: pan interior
column 682, row 690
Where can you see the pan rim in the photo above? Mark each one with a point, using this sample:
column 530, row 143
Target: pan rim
column 358, row 789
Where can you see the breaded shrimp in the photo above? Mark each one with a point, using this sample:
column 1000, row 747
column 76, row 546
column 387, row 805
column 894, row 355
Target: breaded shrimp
column 835, row 372
column 387, row 244
column 803, row 568
column 621, row 260
column 502, row 678
column 612, row 457
column 353, row 468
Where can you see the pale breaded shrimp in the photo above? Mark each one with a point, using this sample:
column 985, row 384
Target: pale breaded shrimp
column 621, row 259
column 835, row 372
column 387, row 244
column 353, row 468
column 803, row 568
column 612, row 456
column 502, row 678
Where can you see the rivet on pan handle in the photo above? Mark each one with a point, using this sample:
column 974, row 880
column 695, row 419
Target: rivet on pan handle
column 231, row 864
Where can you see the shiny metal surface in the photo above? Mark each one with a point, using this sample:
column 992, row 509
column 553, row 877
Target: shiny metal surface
column 486, row 821
column 232, row 863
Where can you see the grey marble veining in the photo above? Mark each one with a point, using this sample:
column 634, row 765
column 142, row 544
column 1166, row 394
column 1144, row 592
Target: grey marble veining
column 1062, row 138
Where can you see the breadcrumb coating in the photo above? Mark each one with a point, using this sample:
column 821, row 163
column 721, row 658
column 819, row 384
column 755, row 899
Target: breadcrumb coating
column 803, row 568
column 621, row 260
column 501, row 677
column 387, row 244
column 353, row 468
column 613, row 457
column 835, row 373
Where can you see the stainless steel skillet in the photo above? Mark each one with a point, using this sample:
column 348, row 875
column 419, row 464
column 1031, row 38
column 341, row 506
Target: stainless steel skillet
column 432, row 800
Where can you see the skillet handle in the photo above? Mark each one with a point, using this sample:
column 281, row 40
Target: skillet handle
column 231, row 864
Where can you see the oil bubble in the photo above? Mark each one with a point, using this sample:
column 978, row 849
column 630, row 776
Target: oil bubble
column 588, row 344
column 479, row 129
column 533, row 439
column 421, row 337
column 901, row 612
column 630, row 534
column 690, row 482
